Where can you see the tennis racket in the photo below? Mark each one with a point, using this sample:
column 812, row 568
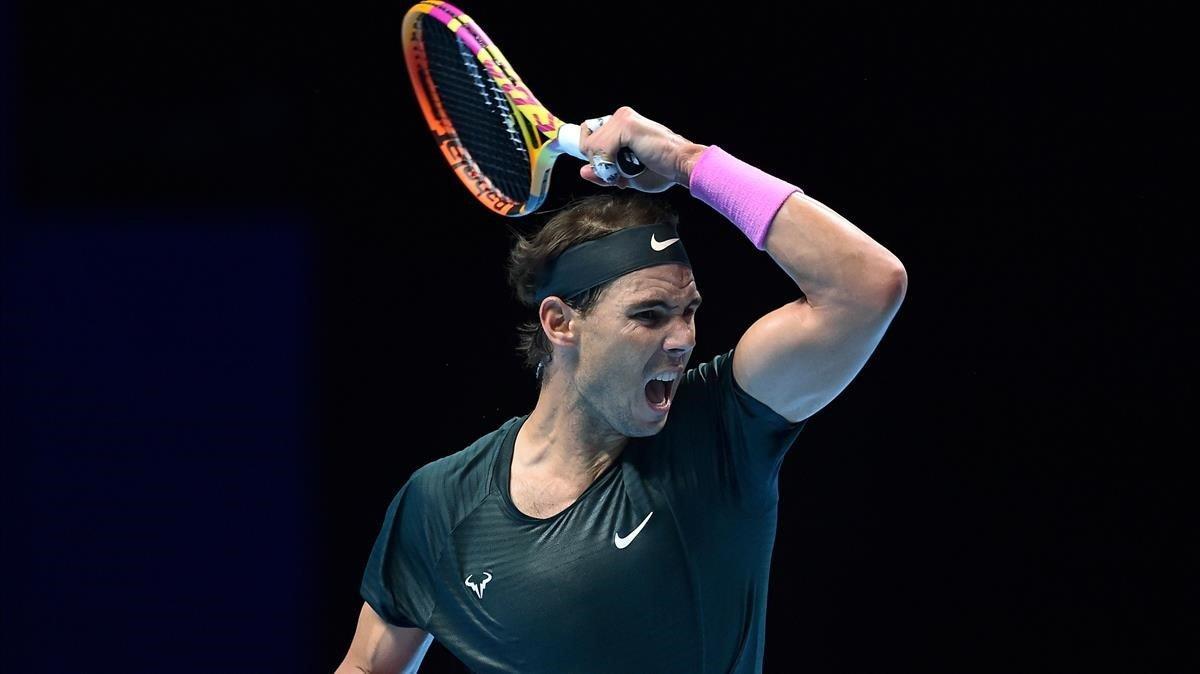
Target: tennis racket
column 497, row 137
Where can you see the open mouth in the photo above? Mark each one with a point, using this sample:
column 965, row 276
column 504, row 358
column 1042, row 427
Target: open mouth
column 658, row 395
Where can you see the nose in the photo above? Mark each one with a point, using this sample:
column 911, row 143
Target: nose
column 681, row 337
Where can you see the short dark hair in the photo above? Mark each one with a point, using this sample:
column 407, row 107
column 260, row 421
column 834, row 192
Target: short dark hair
column 583, row 220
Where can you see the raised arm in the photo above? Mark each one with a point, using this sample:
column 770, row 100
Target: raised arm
column 800, row 356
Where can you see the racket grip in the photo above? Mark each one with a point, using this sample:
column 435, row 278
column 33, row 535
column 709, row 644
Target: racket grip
column 568, row 142
column 629, row 164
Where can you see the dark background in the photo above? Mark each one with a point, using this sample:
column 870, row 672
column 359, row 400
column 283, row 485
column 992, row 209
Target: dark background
column 242, row 300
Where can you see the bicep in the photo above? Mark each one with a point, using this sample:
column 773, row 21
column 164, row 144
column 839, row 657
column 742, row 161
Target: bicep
column 798, row 358
column 379, row 647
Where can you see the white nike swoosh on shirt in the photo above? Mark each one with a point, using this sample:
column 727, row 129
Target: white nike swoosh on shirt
column 661, row 245
column 622, row 543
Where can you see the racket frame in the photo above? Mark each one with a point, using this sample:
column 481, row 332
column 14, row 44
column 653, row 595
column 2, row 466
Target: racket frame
column 539, row 128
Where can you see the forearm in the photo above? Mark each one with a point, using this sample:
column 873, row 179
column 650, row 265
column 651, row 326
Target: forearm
column 828, row 258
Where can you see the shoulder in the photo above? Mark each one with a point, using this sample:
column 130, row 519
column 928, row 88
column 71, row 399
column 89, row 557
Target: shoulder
column 713, row 384
column 469, row 465
column 448, row 488
column 710, row 371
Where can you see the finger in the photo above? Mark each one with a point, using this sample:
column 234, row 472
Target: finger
column 588, row 173
column 593, row 125
column 588, row 129
column 605, row 168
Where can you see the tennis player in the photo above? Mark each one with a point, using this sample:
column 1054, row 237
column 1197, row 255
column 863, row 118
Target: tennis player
column 626, row 523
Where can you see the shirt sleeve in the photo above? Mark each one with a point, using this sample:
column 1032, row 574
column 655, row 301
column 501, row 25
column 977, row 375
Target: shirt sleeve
column 397, row 582
column 735, row 441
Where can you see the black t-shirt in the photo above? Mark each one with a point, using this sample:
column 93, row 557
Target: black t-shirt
column 660, row 565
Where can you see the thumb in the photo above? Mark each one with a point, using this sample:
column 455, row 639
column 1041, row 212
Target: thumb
column 588, row 173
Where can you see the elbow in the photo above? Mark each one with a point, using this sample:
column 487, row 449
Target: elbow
column 890, row 288
column 899, row 284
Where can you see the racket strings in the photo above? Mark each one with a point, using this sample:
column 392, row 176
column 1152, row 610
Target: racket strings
column 479, row 111
column 492, row 94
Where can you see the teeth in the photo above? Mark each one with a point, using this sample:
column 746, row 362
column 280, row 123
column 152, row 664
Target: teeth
column 666, row 376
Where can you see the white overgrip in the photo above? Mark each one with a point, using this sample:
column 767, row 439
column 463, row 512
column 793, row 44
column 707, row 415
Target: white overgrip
column 568, row 140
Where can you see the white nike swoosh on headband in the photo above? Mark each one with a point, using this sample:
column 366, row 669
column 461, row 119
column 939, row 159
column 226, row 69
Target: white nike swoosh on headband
column 661, row 245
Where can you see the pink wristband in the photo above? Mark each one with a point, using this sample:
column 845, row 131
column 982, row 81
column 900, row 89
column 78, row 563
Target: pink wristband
column 748, row 196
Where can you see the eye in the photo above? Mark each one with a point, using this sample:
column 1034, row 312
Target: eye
column 646, row 315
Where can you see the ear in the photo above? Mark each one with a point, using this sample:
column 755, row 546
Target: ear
column 558, row 322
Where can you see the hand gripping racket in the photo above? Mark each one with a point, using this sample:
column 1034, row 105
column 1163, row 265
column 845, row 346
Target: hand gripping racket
column 495, row 134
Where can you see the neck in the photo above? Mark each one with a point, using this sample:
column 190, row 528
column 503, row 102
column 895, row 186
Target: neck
column 563, row 436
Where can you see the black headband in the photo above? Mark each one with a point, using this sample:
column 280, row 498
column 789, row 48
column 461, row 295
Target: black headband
column 592, row 263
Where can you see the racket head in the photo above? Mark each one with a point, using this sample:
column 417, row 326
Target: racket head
column 494, row 133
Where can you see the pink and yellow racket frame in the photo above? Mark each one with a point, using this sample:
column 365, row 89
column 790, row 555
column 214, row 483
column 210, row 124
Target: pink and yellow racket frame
column 537, row 126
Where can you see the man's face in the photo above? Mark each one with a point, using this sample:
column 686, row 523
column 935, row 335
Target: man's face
column 644, row 325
